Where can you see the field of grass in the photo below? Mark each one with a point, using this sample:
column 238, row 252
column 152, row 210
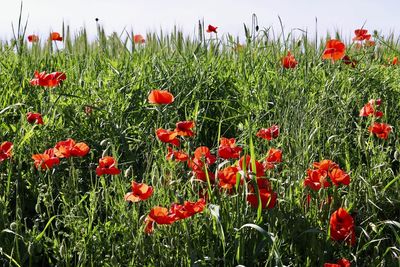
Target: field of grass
column 69, row 216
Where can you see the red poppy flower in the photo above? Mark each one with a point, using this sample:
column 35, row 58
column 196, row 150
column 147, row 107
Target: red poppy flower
column 348, row 61
column 381, row 130
column 325, row 165
column 48, row 80
column 361, row 35
column 268, row 197
column 107, row 166
column 269, row 133
column 158, row 215
column 198, row 168
column 138, row 39
column 139, row 192
column 228, row 149
column 274, row 157
column 316, row 179
column 370, row 109
column 203, row 154
column 395, row 61
column 55, row 36
column 289, row 62
column 167, row 136
column 188, row 209
column 342, row 227
column 34, row 118
column 259, row 167
column 176, row 155
column 46, row 160
column 183, row 128
column 33, row 38
column 338, row 177
column 211, row 29
column 6, row 150
column 341, row 263
column 160, row 97
column 68, row 148
column 334, row 50
column 228, row 177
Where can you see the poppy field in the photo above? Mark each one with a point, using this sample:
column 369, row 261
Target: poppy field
column 167, row 150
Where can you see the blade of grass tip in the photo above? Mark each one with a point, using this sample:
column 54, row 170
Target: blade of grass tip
column 39, row 236
column 9, row 257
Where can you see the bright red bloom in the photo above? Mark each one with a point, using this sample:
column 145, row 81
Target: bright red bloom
column 48, row 80
column 167, row 136
column 139, row 192
column 338, row 177
column 395, row 61
column 183, row 128
column 161, row 215
column 211, row 29
column 107, row 166
column 188, row 209
column 46, row 160
column 381, row 130
column 370, row 109
column 138, row 39
column 259, row 167
column 334, row 50
column 274, row 157
column 289, row 62
column 316, row 179
column 341, row 263
column 198, row 168
column 176, row 155
column 325, row 165
column 269, row 133
column 268, row 197
column 160, row 97
column 342, row 227
column 33, row 38
column 6, row 150
column 203, row 154
column 34, row 118
column 228, row 177
column 55, row 36
column 228, row 149
column 68, row 148
column 361, row 35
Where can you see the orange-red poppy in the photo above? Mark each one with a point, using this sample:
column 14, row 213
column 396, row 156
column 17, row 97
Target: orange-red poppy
column 69, row 148
column 33, row 38
column 167, row 136
column 6, row 150
column 160, row 97
column 107, row 166
column 47, row 160
column 316, row 179
column 138, row 39
column 228, row 149
column 34, row 118
column 370, row 109
column 274, row 157
column 203, row 154
column 183, row 128
column 381, row 130
column 325, row 165
column 395, row 61
column 48, row 80
column 176, row 155
column 211, row 29
column 342, row 227
column 161, row 215
column 338, row 177
column 289, row 62
column 340, row 263
column 267, row 196
column 55, row 36
column 140, row 191
column 334, row 50
column 228, row 177
column 361, row 35
column 269, row 133
column 188, row 209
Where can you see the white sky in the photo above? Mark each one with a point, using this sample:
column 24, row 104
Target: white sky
column 228, row 15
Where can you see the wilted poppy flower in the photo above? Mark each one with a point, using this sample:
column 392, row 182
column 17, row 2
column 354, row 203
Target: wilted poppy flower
column 211, row 29
column 55, row 36
column 107, row 166
column 48, row 80
column 34, row 118
column 245, row 162
column 33, row 38
column 6, row 150
column 334, row 50
column 228, row 177
column 167, row 136
column 138, row 39
column 203, row 154
column 176, row 155
column 342, row 227
column 274, row 157
column 46, row 160
column 228, row 149
column 268, row 197
column 348, row 61
column 289, row 62
column 370, row 109
column 381, row 130
column 361, row 35
column 183, row 128
column 140, row 191
column 316, row 179
column 160, row 97
column 269, row 133
column 68, row 148
column 340, row 263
